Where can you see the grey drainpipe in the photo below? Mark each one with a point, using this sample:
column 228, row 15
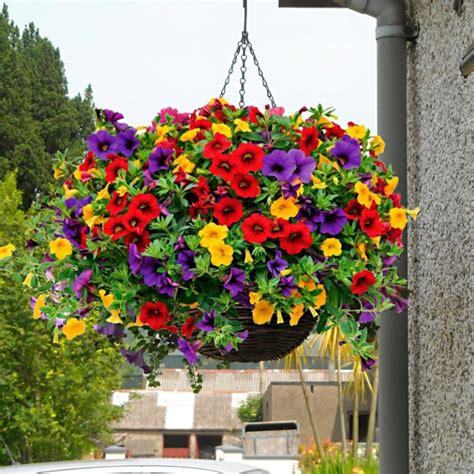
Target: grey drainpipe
column 391, row 35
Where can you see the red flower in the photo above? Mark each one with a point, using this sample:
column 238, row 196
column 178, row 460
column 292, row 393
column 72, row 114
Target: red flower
column 216, row 146
column 147, row 204
column 201, row 206
column 370, row 223
column 245, row 185
column 115, row 227
column 188, row 328
column 228, row 211
column 278, row 228
column 201, row 190
column 361, row 282
column 112, row 169
column 309, row 140
column 156, row 315
column 256, row 228
column 142, row 241
column 182, row 178
column 88, row 163
column 296, row 238
column 249, row 157
column 201, row 123
column 224, row 166
column 135, row 221
column 117, row 204
column 334, row 132
column 353, row 209
column 396, row 199
column 395, row 236
column 254, row 114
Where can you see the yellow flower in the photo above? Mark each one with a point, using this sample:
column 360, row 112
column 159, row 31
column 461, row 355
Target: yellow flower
column 284, row 208
column 285, row 272
column 317, row 183
column 299, row 121
column 331, row 247
column 27, row 280
column 365, row 196
column 307, row 282
column 357, row 131
column 60, row 248
column 324, row 122
column 222, row 129
column 77, row 174
column 103, row 193
column 391, row 185
column 7, row 251
column 413, row 213
column 39, row 304
column 379, row 145
column 295, row 314
column 89, row 217
column 221, row 253
column 376, row 240
column 326, row 161
column 189, row 135
column 114, row 317
column 398, row 218
column 137, row 323
column 280, row 319
column 241, row 126
column 73, row 328
column 254, row 297
column 122, row 191
column 248, row 256
column 374, row 179
column 59, row 171
column 107, row 300
column 183, row 162
column 360, row 250
column 69, row 193
column 161, row 132
column 321, row 298
column 262, row 312
column 212, row 233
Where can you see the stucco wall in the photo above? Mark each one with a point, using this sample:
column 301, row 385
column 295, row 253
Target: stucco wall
column 440, row 258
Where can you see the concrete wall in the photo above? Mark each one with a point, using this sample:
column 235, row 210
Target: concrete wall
column 285, row 402
column 440, row 258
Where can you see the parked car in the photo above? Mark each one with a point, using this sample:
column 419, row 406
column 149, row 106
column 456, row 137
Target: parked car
column 129, row 466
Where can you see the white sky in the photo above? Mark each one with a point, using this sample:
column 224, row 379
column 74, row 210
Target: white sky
column 144, row 55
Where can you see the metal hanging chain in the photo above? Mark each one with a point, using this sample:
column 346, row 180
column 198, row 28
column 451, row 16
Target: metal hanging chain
column 241, row 50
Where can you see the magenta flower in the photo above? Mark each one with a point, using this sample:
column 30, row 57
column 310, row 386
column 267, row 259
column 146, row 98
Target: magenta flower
column 347, row 152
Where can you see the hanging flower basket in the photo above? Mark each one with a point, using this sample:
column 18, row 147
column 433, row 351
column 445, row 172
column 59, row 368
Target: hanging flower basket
column 229, row 232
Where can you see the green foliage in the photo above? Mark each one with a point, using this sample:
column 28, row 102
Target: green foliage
column 54, row 398
column 37, row 116
column 250, row 410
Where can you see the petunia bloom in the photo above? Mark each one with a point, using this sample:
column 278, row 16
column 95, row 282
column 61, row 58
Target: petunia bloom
column 127, row 142
column 154, row 315
column 221, row 253
column 245, row 185
column 136, row 358
column 189, row 350
column 102, row 143
column 74, row 327
column 279, row 164
column 304, row 166
column 256, row 228
column 331, row 247
column 332, row 221
column 159, row 159
column 80, row 282
column 277, row 265
column 228, row 211
column 235, row 281
column 296, row 238
column 347, row 152
column 361, row 282
column 211, row 233
column 284, row 208
column 206, row 324
column 262, row 312
column 370, row 223
column 60, row 248
column 7, row 251
column 249, row 156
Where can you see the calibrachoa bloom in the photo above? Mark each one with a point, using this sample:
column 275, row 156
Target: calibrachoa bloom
column 160, row 233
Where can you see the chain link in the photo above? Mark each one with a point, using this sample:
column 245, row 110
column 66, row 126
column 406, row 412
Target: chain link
column 242, row 46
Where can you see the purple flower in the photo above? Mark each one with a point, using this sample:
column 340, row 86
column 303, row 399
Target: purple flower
column 135, row 259
column 59, row 322
column 287, row 285
column 276, row 265
column 102, row 143
column 367, row 316
column 166, row 285
column 149, row 270
column 159, row 159
column 387, row 261
column 111, row 330
column 366, row 363
column 72, row 231
column 111, row 116
column 81, row 282
column 305, row 166
column 235, row 281
column 136, row 358
column 127, row 142
column 290, row 190
column 77, row 205
column 186, row 260
column 180, row 244
column 207, row 322
column 308, row 213
column 189, row 350
column 279, row 164
column 347, row 152
column 332, row 222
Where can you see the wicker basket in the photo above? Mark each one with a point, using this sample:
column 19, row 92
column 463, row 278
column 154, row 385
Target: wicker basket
column 266, row 342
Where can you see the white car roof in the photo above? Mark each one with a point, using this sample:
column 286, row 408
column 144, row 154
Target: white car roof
column 145, row 465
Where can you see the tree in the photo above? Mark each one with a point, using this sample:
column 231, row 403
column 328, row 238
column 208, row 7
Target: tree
column 55, row 399
column 250, row 410
column 38, row 117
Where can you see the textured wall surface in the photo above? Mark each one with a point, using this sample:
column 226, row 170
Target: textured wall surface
column 440, row 128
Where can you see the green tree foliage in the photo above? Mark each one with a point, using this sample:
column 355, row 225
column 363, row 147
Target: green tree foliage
column 37, row 116
column 250, row 410
column 55, row 399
